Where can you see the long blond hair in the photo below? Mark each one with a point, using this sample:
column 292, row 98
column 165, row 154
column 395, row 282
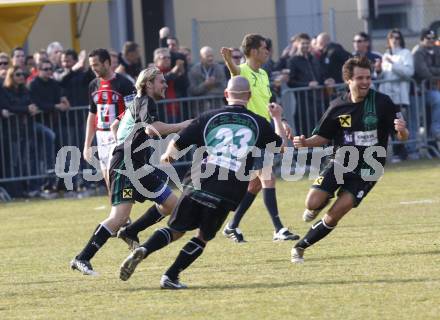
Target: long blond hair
column 144, row 76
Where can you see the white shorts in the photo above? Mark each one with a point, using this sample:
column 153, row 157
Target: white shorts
column 106, row 143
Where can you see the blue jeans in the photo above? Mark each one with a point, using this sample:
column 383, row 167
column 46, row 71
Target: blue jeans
column 414, row 113
column 47, row 138
column 433, row 100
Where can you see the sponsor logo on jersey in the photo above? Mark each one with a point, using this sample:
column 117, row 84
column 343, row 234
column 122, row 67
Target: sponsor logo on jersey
column 345, row 120
column 365, row 138
column 318, row 181
column 127, row 193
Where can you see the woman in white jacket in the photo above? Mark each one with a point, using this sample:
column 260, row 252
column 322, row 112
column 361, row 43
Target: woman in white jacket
column 397, row 64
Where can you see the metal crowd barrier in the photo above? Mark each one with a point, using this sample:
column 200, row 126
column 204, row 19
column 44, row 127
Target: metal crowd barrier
column 28, row 144
column 429, row 96
column 307, row 105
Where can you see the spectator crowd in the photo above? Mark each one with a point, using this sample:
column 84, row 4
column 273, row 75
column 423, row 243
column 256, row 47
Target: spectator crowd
column 37, row 91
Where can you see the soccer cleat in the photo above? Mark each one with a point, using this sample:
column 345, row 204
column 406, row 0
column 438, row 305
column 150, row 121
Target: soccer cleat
column 297, row 255
column 83, row 266
column 234, row 234
column 284, row 234
column 133, row 242
column 167, row 283
column 310, row 215
column 131, row 262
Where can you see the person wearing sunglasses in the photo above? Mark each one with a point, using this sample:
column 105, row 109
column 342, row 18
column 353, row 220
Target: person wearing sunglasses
column 397, row 64
column 4, row 65
column 362, row 47
column 18, row 96
column 237, row 57
column 47, row 94
column 18, row 103
column 427, row 67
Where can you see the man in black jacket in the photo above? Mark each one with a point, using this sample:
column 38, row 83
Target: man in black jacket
column 47, row 95
column 305, row 72
column 333, row 57
column 75, row 79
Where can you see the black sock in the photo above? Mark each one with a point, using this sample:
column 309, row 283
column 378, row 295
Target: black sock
column 245, row 203
column 189, row 253
column 159, row 239
column 318, row 231
column 270, row 201
column 152, row 216
column 98, row 239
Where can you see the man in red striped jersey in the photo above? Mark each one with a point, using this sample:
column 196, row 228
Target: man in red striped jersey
column 106, row 99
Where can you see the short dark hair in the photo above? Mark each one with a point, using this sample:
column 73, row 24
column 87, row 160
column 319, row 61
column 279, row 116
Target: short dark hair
column 43, row 62
column 173, row 38
column 348, row 67
column 427, row 32
column 102, row 55
column 28, row 58
column 251, row 41
column 269, row 43
column 390, row 34
column 303, row 36
column 16, row 49
column 364, row 35
column 72, row 53
column 128, row 47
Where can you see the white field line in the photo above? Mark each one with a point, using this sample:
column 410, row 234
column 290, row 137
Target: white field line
column 423, row 201
column 99, row 208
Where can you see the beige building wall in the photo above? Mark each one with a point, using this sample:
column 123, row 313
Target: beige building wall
column 422, row 13
column 221, row 23
column 53, row 24
column 137, row 25
column 224, row 23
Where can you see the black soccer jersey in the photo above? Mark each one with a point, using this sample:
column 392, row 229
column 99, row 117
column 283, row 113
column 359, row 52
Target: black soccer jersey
column 362, row 125
column 131, row 131
column 106, row 99
column 229, row 134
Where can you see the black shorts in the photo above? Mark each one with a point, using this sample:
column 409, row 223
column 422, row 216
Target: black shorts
column 352, row 183
column 122, row 189
column 190, row 215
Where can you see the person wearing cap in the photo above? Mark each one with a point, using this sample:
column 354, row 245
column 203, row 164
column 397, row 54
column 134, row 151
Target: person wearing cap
column 427, row 67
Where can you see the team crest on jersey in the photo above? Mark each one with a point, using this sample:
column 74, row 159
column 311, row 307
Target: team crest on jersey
column 370, row 121
column 345, row 120
column 127, row 193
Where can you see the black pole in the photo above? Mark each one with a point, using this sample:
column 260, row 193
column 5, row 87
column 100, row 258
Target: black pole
column 129, row 12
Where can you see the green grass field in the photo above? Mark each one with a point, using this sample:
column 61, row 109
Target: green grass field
column 382, row 262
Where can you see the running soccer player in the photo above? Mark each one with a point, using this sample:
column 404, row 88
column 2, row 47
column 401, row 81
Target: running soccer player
column 229, row 134
column 128, row 175
column 362, row 120
column 254, row 47
column 106, row 99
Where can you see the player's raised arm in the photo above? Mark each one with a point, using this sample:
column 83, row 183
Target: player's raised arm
column 400, row 127
column 276, row 111
column 227, row 57
column 163, row 128
column 313, row 141
column 171, row 153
